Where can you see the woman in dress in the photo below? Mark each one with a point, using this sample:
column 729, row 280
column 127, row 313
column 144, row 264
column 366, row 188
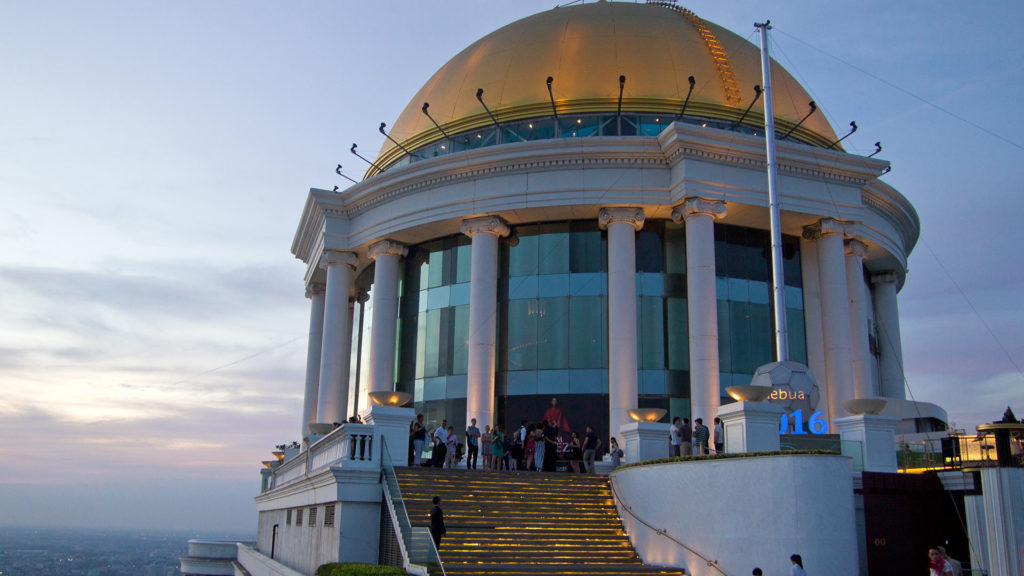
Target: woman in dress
column 485, row 446
column 615, row 452
column 538, row 449
column 575, row 452
column 497, row 447
column 531, row 445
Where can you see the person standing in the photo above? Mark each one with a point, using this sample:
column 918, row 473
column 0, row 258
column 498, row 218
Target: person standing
column 440, row 441
column 472, row 444
column 686, row 438
column 719, row 438
column 550, row 446
column 591, row 444
column 497, row 447
column 674, row 437
column 938, row 565
column 485, row 442
column 531, row 449
column 451, row 446
column 958, row 568
column 419, row 437
column 797, row 569
column 437, row 528
column 700, row 437
column 615, row 452
column 539, row 448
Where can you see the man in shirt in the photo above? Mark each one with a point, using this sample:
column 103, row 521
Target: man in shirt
column 472, row 444
column 675, row 440
column 686, row 438
column 591, row 444
column 440, row 439
column 700, row 437
column 437, row 528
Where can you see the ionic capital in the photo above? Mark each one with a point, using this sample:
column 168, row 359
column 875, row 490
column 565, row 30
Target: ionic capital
column 632, row 216
column 388, row 247
column 331, row 257
column 695, row 206
column 486, row 224
column 314, row 289
column 887, row 277
column 856, row 248
column 826, row 227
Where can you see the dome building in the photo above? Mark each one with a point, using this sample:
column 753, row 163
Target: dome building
column 575, row 207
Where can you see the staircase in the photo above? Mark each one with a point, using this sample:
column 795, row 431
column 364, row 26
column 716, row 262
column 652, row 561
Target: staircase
column 524, row 523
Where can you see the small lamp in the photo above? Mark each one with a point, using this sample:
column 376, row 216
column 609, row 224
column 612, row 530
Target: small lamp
column 385, row 398
column 647, row 414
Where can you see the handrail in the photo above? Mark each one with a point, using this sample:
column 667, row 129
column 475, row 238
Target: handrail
column 662, row 531
column 389, row 483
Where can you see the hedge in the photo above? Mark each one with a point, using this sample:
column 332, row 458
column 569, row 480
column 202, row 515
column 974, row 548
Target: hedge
column 726, row 456
column 357, row 569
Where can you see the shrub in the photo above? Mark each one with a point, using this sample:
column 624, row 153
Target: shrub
column 357, row 569
column 726, row 456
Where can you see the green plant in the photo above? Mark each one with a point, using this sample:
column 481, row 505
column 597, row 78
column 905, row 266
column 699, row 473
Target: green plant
column 357, row 569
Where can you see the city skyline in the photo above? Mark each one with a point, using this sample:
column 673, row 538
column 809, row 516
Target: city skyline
column 157, row 158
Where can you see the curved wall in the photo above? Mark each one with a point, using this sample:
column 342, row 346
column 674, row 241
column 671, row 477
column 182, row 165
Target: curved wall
column 743, row 512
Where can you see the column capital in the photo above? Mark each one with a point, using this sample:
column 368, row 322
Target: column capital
column 856, row 248
column 826, row 227
column 332, row 257
column 693, row 205
column 388, row 247
column 314, row 289
column 887, row 277
column 629, row 215
column 488, row 224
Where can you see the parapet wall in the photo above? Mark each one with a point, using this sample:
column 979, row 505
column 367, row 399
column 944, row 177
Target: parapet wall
column 742, row 513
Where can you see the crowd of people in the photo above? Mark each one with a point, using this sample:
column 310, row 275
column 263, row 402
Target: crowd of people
column 533, row 446
column 687, row 441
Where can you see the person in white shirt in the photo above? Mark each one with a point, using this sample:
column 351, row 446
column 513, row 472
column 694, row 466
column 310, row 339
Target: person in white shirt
column 440, row 439
column 675, row 440
column 958, row 568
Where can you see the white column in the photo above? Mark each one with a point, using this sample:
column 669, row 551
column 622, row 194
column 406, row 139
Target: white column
column 890, row 343
column 385, row 314
column 622, row 224
column 335, row 351
column 860, row 346
column 702, row 304
column 483, row 316
column 835, row 315
column 315, row 293
column 812, row 308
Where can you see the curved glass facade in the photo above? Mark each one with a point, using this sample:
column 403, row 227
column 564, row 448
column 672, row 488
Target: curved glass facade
column 552, row 339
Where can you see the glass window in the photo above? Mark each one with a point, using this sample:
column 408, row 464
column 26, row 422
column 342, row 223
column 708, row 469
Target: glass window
column 522, row 335
column 587, row 324
column 552, row 333
column 553, row 256
column 522, row 258
column 435, row 268
column 588, row 251
column 460, row 340
column 432, row 345
column 648, row 251
column 675, row 248
column 651, row 333
column 678, row 334
column 463, row 262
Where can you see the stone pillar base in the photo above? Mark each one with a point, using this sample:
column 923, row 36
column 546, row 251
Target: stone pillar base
column 877, row 437
column 751, row 426
column 392, row 422
column 643, row 441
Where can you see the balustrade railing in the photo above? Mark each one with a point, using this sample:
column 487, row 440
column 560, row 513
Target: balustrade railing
column 349, row 445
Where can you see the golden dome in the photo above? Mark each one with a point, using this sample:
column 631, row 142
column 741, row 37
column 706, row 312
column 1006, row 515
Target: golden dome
column 586, row 48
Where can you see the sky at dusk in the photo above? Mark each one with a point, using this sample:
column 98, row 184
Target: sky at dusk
column 155, row 158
